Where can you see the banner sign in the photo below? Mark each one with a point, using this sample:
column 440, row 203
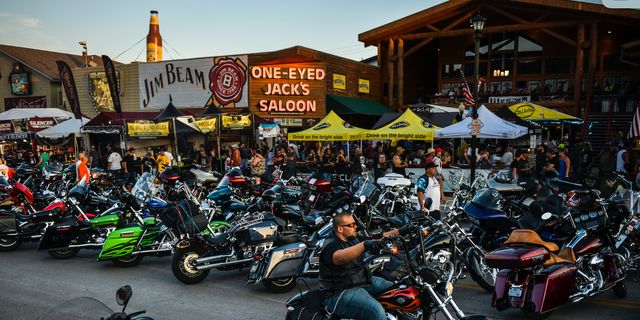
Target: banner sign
column 19, row 136
column 148, row 129
column 288, row 122
column 69, row 88
column 113, row 80
column 207, row 125
column 38, row 124
column 339, row 81
column 268, row 130
column 443, row 100
column 25, row 102
column 509, row 99
column 6, row 126
column 363, row 85
column 236, row 122
column 100, row 92
column 194, row 83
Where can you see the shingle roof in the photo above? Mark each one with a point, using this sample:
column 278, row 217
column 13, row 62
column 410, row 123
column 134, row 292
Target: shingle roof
column 44, row 62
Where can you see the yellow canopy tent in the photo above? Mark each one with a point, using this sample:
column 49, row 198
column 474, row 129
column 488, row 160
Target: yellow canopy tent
column 407, row 126
column 331, row 128
column 530, row 111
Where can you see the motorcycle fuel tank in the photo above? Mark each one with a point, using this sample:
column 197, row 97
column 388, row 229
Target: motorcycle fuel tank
column 220, row 195
column 233, row 206
column 588, row 245
column 400, row 297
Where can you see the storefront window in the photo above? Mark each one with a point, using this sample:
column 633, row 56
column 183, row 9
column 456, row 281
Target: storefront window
column 451, row 70
column 530, row 66
column 502, row 42
column 502, row 62
column 470, row 52
column 469, row 69
column 613, row 63
column 528, row 47
column 559, row 65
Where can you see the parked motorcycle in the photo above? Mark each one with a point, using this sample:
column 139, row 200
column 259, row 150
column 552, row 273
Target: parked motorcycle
column 537, row 281
column 321, row 193
column 16, row 228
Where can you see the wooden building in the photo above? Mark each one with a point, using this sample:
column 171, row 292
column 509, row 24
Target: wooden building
column 558, row 45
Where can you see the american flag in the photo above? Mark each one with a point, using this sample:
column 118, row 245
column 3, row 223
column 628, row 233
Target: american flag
column 468, row 97
column 634, row 131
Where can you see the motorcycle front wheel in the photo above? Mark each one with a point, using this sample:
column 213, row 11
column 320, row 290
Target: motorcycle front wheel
column 280, row 286
column 9, row 243
column 64, row 254
column 183, row 265
column 128, row 261
column 484, row 276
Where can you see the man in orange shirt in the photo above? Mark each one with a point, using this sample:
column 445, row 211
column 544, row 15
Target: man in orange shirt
column 81, row 165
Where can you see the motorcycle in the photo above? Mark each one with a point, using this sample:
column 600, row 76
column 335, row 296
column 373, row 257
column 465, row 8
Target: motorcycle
column 536, row 280
column 321, row 193
column 89, row 309
column 424, row 291
column 16, row 228
column 628, row 235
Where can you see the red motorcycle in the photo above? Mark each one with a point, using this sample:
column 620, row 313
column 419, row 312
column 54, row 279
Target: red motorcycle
column 537, row 280
column 321, row 192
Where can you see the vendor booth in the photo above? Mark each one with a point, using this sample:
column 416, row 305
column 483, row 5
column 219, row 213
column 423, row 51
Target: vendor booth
column 408, row 126
column 331, row 128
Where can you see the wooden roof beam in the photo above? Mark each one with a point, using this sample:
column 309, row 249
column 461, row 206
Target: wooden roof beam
column 497, row 29
column 540, row 18
column 560, row 11
column 545, row 30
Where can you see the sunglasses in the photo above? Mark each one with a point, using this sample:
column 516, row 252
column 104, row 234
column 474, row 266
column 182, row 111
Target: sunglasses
column 350, row 225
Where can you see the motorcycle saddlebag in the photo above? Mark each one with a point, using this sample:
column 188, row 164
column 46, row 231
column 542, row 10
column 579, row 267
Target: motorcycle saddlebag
column 60, row 235
column 553, row 286
column 121, row 242
column 517, row 256
column 264, row 231
column 8, row 222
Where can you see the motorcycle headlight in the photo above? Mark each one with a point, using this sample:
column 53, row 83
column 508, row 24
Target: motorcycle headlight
column 449, row 289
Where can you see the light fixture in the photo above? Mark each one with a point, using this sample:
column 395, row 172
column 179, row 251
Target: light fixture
column 609, row 31
column 477, row 23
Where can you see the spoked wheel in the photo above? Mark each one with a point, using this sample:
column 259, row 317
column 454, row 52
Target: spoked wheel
column 280, row 286
column 481, row 273
column 9, row 243
column 128, row 261
column 64, row 254
column 183, row 265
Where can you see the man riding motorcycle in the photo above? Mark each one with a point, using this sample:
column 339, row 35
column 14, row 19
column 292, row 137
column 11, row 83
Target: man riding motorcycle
column 346, row 286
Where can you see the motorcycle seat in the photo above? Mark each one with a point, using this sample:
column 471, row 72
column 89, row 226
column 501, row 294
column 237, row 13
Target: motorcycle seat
column 284, row 240
column 531, row 222
column 524, row 236
column 279, row 221
column 566, row 255
column 311, row 218
column 400, row 220
column 155, row 227
column 82, row 223
column 47, row 213
column 20, row 217
column 217, row 240
column 267, row 177
column 256, row 187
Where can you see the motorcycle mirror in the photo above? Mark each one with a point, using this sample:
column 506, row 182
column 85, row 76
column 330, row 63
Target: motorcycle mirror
column 428, row 202
column 123, row 295
column 376, row 234
column 362, row 160
column 546, row 216
column 362, row 199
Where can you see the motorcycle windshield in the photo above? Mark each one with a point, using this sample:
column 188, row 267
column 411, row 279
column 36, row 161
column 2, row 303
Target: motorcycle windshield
column 55, row 166
column 224, row 183
column 365, row 190
column 83, row 308
column 143, row 187
column 504, row 176
column 489, row 199
column 235, row 172
column 80, row 189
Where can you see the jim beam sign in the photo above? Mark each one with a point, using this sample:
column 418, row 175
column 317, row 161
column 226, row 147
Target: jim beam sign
column 289, row 90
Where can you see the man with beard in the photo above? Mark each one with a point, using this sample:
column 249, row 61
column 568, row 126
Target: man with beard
column 346, row 286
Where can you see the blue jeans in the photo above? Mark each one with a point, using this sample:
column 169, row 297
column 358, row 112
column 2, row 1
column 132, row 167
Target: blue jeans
column 116, row 173
column 358, row 302
column 129, row 177
column 290, row 171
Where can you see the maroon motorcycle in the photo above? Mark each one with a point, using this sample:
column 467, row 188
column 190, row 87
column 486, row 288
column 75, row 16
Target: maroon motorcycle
column 537, row 279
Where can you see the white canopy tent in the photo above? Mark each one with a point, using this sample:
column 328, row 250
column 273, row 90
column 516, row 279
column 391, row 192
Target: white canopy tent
column 493, row 127
column 61, row 130
column 26, row 113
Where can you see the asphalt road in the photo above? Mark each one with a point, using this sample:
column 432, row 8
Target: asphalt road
column 32, row 283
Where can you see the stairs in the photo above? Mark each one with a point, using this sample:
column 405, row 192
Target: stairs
column 598, row 128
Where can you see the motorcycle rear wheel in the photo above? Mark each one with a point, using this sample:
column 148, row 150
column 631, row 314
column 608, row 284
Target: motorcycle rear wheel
column 64, row 254
column 128, row 261
column 280, row 286
column 9, row 243
column 182, row 268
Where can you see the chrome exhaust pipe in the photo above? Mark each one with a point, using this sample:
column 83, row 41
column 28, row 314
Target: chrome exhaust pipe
column 86, row 245
column 150, row 251
column 223, row 264
column 200, row 261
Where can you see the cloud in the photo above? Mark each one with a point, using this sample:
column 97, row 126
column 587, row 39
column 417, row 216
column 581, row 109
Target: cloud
column 3, row 14
column 30, row 22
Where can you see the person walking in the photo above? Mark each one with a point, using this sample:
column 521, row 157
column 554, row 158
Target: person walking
column 115, row 164
column 44, row 159
column 520, row 165
column 129, row 167
column 244, row 159
column 428, row 186
column 236, row 159
column 540, row 161
column 148, row 163
column 82, row 172
column 94, row 158
column 576, row 150
column 162, row 160
column 257, row 165
column 608, row 159
column 327, row 164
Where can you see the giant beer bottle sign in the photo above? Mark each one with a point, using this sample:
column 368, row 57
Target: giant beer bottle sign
column 289, row 90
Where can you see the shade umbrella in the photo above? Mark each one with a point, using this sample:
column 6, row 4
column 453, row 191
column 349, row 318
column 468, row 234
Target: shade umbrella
column 331, row 128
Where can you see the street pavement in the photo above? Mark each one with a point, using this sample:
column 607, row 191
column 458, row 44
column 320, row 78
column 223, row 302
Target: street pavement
column 32, row 283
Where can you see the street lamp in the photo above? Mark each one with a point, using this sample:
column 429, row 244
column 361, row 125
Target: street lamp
column 477, row 23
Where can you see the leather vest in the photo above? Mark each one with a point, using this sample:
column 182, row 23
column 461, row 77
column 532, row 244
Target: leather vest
column 334, row 279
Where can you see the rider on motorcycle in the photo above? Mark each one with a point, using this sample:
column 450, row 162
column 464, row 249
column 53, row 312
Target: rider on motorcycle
column 347, row 287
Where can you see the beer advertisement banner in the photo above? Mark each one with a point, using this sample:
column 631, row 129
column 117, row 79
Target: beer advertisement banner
column 36, row 124
column 339, row 81
column 194, row 83
column 6, row 126
column 207, row 125
column 113, row 80
column 149, row 129
column 236, row 122
column 100, row 92
column 363, row 85
column 69, row 88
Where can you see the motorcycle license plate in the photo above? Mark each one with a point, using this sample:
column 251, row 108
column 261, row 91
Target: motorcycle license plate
column 312, row 198
column 515, row 292
column 254, row 268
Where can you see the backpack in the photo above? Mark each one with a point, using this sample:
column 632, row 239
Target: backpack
column 310, row 307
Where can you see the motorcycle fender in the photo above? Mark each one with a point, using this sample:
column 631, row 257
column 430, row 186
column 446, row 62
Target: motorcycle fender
column 59, row 236
column 500, row 288
column 552, row 286
column 285, row 261
column 121, row 243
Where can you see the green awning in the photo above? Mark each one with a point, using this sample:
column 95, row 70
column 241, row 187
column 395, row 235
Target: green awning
column 347, row 105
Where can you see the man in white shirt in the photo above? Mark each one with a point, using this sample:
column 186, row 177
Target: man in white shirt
column 169, row 155
column 429, row 187
column 507, row 157
column 115, row 163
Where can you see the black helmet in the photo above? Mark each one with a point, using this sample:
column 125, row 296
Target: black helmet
column 268, row 196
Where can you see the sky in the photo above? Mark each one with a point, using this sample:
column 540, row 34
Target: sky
column 194, row 29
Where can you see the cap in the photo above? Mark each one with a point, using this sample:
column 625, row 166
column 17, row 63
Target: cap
column 399, row 149
column 430, row 165
column 439, row 150
column 234, row 145
column 431, row 150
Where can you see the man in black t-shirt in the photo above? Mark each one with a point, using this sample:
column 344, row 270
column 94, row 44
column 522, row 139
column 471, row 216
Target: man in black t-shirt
column 291, row 159
column 128, row 166
column 147, row 164
column 327, row 164
column 205, row 161
column 519, row 165
column 587, row 158
column 94, row 158
column 243, row 155
column 550, row 170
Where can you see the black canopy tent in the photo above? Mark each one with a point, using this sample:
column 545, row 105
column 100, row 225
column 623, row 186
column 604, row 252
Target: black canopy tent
column 178, row 128
column 506, row 114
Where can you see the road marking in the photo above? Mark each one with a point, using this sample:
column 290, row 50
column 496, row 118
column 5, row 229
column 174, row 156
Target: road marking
column 470, row 287
column 614, row 304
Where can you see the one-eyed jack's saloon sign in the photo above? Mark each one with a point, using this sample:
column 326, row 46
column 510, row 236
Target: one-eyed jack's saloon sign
column 289, row 90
